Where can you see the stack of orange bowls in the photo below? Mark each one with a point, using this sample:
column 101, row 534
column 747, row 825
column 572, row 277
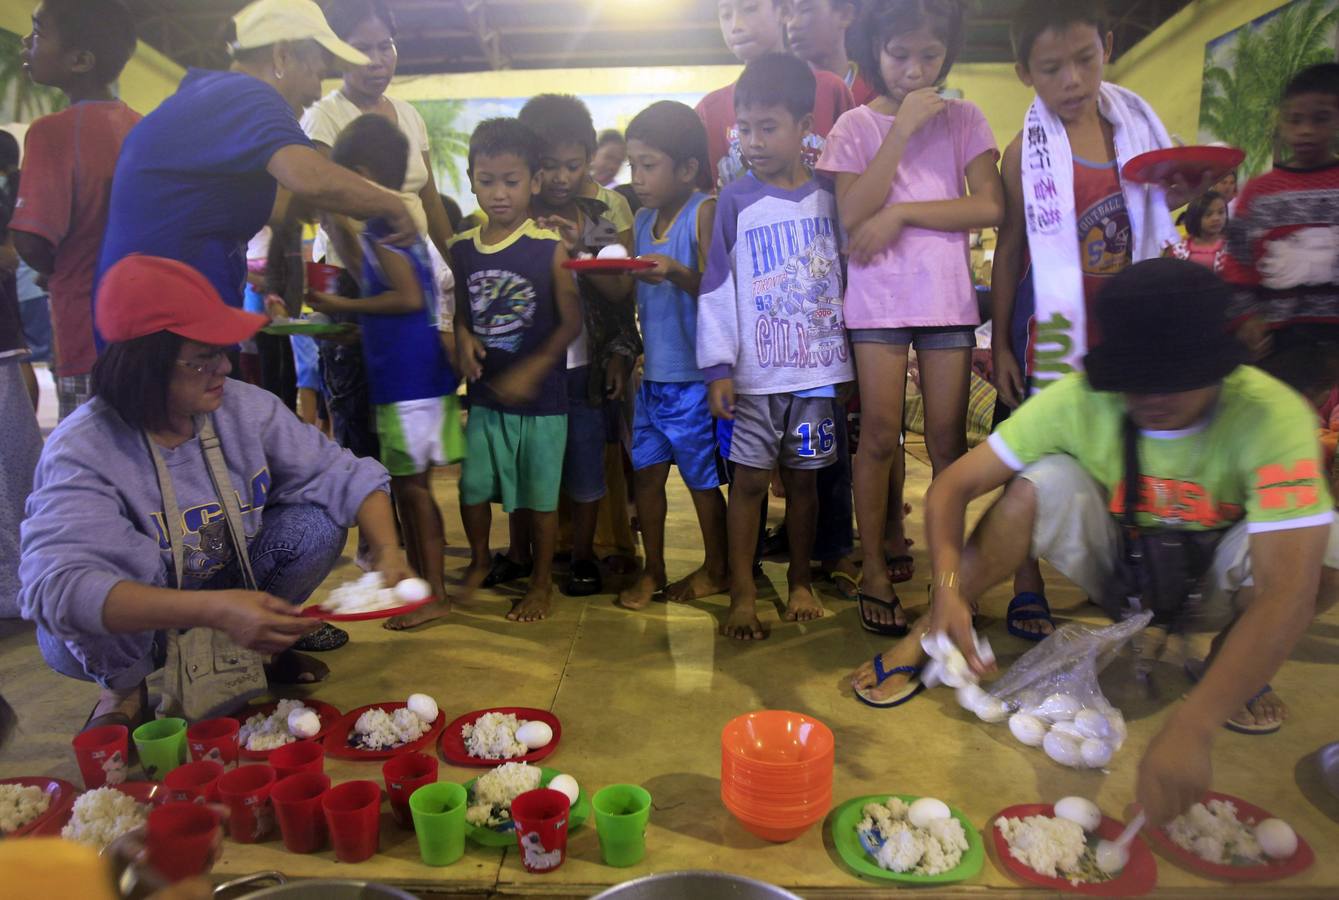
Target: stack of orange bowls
column 776, row 772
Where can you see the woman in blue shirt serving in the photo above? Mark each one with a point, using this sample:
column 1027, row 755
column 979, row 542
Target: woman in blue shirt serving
column 198, row 177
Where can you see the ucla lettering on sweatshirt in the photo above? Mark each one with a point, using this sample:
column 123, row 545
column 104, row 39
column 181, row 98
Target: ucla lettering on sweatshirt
column 770, row 312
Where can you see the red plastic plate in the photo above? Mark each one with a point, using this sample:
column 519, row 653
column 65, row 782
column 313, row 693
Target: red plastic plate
column 1191, row 163
column 314, row 611
column 337, row 738
column 608, row 266
column 1249, row 814
column 1138, row 877
column 328, row 715
column 453, row 742
column 140, row 791
column 62, row 795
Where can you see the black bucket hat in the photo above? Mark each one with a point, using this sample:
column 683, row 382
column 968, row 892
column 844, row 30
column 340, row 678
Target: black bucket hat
column 1163, row 327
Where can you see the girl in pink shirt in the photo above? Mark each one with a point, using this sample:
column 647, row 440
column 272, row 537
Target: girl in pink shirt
column 914, row 172
column 1206, row 223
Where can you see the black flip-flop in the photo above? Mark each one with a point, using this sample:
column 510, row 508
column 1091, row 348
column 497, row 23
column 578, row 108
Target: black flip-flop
column 506, row 570
column 1018, row 613
column 893, row 630
column 323, row 639
column 287, row 668
column 906, row 562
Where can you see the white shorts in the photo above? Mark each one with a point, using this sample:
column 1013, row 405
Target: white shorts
column 416, row 435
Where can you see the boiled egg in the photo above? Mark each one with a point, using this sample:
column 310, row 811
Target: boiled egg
column 304, row 723
column 613, row 251
column 926, row 810
column 1062, row 748
column 990, row 708
column 1080, row 811
column 1276, row 838
column 1028, row 729
column 535, row 734
column 1095, row 753
column 1092, row 724
column 423, row 706
column 969, row 695
column 566, row 784
column 412, row 590
column 1058, row 708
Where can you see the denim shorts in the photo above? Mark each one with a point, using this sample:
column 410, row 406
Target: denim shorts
column 583, row 462
column 940, row 337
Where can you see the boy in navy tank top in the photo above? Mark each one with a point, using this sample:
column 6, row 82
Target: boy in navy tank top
column 412, row 385
column 517, row 310
column 667, row 145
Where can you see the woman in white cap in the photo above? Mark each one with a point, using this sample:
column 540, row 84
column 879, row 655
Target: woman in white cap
column 198, row 177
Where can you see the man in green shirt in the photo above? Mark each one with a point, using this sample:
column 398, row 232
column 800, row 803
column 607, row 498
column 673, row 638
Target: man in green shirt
column 1221, row 447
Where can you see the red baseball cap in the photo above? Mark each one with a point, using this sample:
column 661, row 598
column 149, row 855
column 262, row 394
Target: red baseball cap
column 143, row 295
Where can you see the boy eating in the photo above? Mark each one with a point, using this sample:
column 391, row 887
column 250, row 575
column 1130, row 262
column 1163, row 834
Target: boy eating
column 771, row 336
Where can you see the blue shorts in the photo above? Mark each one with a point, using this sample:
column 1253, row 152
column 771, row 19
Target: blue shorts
column 583, row 463
column 673, row 423
column 305, row 361
column 946, row 337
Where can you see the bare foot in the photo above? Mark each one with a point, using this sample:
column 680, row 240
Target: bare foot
column 1044, row 628
column 803, row 606
column 429, row 612
column 906, row 652
column 639, row 594
column 701, row 583
column 742, row 621
column 1265, row 710
column 534, row 606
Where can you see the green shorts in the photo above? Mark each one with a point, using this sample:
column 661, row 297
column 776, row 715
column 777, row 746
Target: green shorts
column 416, row 435
column 513, row 459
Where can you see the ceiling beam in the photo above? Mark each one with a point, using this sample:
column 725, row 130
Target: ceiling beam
column 490, row 40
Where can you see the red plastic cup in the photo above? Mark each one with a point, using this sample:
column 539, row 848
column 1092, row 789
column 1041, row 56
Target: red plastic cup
column 297, row 806
column 353, row 812
column 214, row 739
column 103, row 755
column 246, row 791
column 195, row 782
column 405, row 774
column 541, row 829
column 180, row 839
column 324, row 278
column 297, row 758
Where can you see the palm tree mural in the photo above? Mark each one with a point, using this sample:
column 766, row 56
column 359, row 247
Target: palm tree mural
column 449, row 146
column 1239, row 103
column 20, row 99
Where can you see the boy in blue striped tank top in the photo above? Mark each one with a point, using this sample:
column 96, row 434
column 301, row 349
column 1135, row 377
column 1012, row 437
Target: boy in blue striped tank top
column 412, row 385
column 667, row 146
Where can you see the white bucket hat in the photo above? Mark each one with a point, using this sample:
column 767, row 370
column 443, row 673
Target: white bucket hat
column 267, row 22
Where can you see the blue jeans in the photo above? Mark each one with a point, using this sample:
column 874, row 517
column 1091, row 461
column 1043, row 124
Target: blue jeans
column 294, row 551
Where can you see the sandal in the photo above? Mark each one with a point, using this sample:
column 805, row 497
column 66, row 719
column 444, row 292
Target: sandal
column 893, row 630
column 327, row 637
column 291, row 667
column 1019, row 613
column 901, row 569
column 881, row 675
column 506, row 570
column 1195, row 671
column 119, row 718
column 847, row 585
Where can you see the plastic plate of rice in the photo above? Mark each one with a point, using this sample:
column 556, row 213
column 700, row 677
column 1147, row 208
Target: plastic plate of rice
column 328, row 715
column 854, row 848
column 1139, row 876
column 453, row 738
column 338, row 736
column 30, row 804
column 99, row 817
column 504, row 833
column 1237, row 869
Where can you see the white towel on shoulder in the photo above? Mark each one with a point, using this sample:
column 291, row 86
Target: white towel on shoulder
column 1052, row 221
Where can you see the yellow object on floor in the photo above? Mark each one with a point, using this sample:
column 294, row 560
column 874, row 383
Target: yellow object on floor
column 50, row 868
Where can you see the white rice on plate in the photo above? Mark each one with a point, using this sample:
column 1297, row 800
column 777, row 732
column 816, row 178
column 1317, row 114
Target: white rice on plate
column 377, row 729
column 102, row 815
column 932, row 850
column 1213, row 832
column 1053, row 847
column 367, row 594
column 20, row 804
column 491, row 796
column 493, row 736
column 267, row 732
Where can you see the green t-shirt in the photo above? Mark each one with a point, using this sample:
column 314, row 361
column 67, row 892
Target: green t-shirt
column 1257, row 457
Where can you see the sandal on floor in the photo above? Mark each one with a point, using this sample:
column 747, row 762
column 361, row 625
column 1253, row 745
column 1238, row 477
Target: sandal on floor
column 119, row 718
column 327, row 637
column 1019, row 613
column 852, row 583
column 1195, row 670
column 289, row 667
column 881, row 675
column 506, row 570
column 905, row 563
column 874, row 627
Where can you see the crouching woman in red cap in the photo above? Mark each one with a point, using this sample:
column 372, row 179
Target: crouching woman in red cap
column 143, row 498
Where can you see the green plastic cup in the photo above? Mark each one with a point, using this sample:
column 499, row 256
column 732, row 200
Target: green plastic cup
column 161, row 745
column 438, row 810
column 621, row 814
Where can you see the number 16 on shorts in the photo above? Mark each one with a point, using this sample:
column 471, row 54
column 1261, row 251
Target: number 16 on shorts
column 815, row 440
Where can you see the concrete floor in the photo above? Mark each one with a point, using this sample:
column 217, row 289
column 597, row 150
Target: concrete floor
column 643, row 696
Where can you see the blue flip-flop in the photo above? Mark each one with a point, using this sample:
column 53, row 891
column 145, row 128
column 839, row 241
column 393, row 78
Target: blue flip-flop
column 1016, row 614
column 1196, row 672
column 881, row 675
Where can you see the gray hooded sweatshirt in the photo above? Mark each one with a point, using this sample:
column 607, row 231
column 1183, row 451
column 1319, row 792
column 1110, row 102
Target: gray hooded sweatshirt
column 95, row 516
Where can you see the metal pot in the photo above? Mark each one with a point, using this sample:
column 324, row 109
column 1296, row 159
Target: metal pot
column 696, row 886
column 310, row 889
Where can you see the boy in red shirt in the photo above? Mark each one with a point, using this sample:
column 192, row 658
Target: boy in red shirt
column 752, row 28
column 79, row 46
column 817, row 31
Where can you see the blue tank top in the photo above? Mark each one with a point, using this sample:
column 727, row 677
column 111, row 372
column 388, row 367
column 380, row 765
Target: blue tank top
column 668, row 314
column 509, row 286
column 405, row 359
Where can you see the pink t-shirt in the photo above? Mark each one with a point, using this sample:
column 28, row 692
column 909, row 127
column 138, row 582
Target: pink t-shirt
column 924, row 279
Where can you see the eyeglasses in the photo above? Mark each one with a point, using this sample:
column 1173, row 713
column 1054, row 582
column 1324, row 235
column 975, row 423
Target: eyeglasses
column 213, row 364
